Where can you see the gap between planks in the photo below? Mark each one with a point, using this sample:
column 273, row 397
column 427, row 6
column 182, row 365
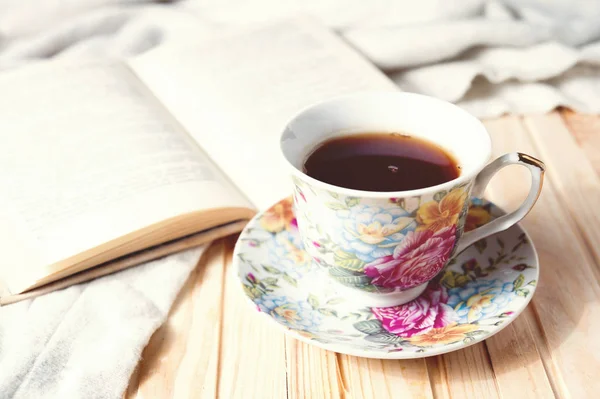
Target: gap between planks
column 227, row 249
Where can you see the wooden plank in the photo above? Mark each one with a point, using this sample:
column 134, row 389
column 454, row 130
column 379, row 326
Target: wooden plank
column 586, row 131
column 176, row 363
column 516, row 360
column 252, row 352
column 567, row 301
column 517, row 364
column 312, row 372
column 375, row 378
column 572, row 174
column 541, row 345
column 466, row 373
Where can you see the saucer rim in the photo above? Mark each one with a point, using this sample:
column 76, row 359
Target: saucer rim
column 400, row 355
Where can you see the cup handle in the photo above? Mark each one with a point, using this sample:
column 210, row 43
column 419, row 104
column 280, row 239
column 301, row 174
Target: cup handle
column 536, row 168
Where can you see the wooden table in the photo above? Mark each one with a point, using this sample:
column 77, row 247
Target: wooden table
column 213, row 345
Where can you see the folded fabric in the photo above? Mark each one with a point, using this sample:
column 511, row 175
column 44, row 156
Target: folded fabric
column 490, row 57
column 86, row 340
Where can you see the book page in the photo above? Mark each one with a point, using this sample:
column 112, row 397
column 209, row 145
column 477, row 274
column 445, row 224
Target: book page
column 88, row 155
column 235, row 95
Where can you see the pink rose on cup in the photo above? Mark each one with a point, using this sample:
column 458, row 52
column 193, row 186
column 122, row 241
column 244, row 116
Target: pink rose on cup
column 418, row 316
column 418, row 258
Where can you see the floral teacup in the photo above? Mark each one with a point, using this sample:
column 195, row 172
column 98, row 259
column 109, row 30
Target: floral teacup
column 384, row 247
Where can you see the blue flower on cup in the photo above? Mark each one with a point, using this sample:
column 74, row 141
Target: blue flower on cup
column 295, row 315
column 371, row 232
column 480, row 299
column 287, row 252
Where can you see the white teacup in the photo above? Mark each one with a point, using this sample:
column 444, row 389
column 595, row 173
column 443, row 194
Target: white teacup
column 384, row 247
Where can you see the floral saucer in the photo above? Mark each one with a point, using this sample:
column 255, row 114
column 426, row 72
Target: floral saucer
column 482, row 290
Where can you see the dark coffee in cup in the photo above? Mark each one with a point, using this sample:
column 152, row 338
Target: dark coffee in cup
column 381, row 162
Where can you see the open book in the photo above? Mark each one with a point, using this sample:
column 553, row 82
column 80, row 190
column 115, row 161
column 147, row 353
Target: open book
column 107, row 165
